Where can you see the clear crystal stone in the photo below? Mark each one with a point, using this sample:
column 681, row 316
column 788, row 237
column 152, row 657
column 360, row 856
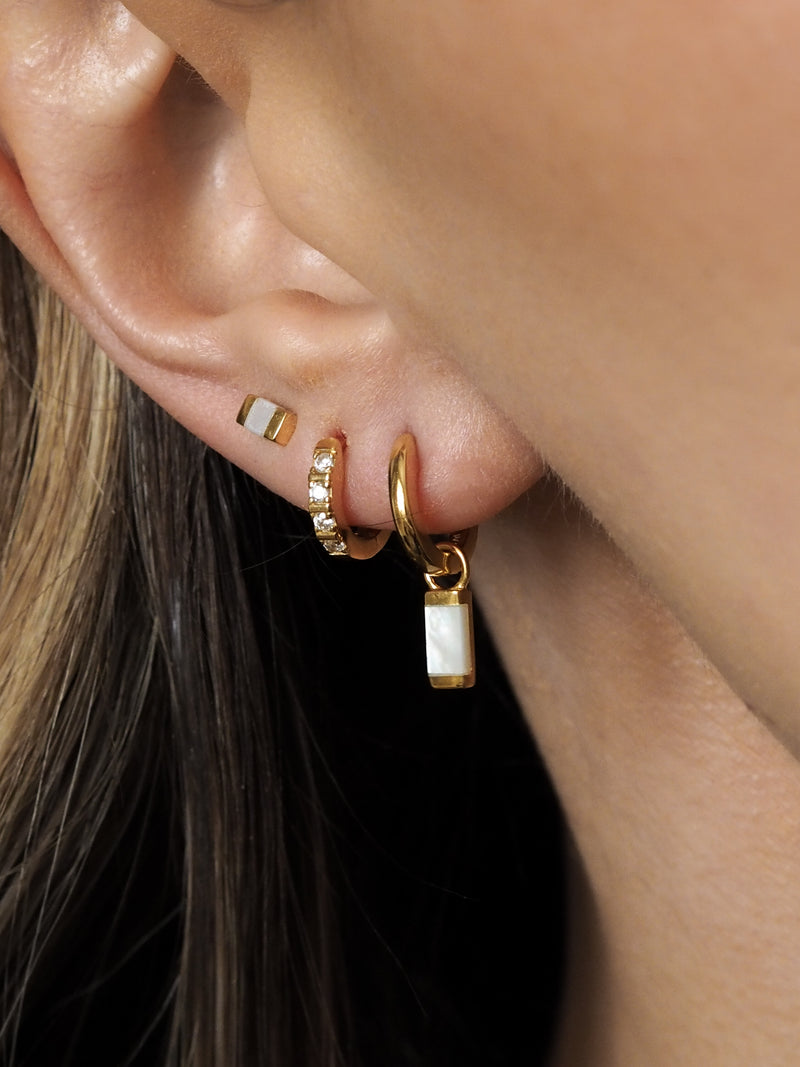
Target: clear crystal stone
column 318, row 493
column 324, row 523
column 336, row 548
column 323, row 462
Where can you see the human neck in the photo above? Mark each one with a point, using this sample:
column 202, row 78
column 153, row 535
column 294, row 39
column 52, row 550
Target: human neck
column 684, row 808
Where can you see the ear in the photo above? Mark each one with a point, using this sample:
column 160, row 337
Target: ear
column 127, row 183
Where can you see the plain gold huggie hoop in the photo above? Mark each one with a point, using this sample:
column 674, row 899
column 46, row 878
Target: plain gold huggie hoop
column 421, row 547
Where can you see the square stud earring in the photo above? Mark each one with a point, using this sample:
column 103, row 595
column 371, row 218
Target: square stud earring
column 262, row 417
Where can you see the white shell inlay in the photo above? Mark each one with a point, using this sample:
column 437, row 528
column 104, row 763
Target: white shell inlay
column 447, row 639
column 259, row 415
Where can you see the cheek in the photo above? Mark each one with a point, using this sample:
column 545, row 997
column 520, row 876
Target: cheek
column 365, row 129
column 546, row 128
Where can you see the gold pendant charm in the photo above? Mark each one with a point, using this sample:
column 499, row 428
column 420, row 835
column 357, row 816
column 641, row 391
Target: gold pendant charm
column 449, row 631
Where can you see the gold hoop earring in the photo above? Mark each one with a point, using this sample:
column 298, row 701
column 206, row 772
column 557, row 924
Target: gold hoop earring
column 325, row 480
column 449, row 630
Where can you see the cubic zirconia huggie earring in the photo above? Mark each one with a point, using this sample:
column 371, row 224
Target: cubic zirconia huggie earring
column 260, row 416
column 324, row 489
column 449, row 632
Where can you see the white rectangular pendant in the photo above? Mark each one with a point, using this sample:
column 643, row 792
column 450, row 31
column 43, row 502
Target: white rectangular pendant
column 449, row 639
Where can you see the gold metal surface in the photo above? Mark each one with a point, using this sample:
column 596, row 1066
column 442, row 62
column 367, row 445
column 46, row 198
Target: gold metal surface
column 281, row 427
column 244, row 410
column 447, row 598
column 450, row 551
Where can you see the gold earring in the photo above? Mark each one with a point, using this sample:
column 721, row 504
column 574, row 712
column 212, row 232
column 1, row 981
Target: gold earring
column 260, row 416
column 324, row 489
column 449, row 631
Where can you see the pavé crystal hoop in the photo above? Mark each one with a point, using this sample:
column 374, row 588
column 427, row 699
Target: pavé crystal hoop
column 449, row 634
column 262, row 417
column 324, row 488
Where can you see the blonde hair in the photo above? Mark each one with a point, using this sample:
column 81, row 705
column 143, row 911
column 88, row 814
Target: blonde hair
column 59, row 457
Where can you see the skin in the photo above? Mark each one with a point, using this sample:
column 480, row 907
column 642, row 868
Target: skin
column 521, row 230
